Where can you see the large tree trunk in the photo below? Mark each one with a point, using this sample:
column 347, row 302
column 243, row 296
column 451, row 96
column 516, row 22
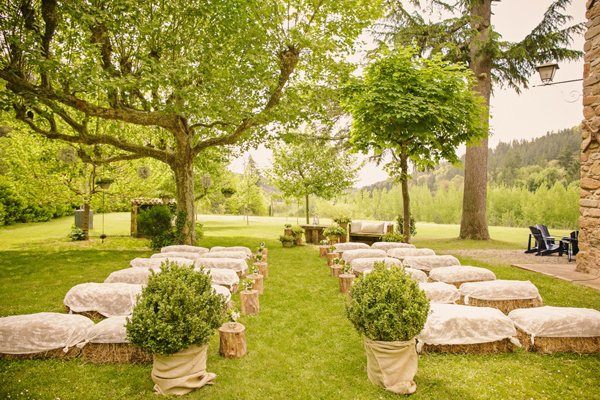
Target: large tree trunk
column 307, row 214
column 474, row 216
column 405, row 197
column 183, row 168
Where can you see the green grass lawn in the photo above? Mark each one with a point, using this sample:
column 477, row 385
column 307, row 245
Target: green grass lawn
column 300, row 346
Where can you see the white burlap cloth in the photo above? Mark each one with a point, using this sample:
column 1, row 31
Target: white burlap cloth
column 226, row 254
column 45, row 331
column 461, row 273
column 232, row 248
column 440, row 292
column 108, row 299
column 499, row 290
column 183, row 248
column 341, row 247
column 223, row 276
column 180, row 254
column 156, row 262
column 416, row 274
column 361, row 265
column 109, row 330
column 180, row 373
column 557, row 321
column 456, row 324
column 223, row 291
column 235, row 264
column 350, row 255
column 428, row 263
column 400, row 253
column 138, row 275
column 385, row 246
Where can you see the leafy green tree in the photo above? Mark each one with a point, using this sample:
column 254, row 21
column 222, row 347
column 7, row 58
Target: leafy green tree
column 468, row 36
column 413, row 109
column 315, row 168
column 170, row 80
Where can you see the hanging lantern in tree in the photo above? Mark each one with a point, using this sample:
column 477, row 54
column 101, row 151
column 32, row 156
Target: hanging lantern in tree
column 143, row 172
column 67, row 155
column 206, row 181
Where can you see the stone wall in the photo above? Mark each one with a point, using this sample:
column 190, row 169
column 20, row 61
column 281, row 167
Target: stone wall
column 588, row 258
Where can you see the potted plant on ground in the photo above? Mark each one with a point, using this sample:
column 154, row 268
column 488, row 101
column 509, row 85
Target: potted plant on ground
column 343, row 222
column 286, row 240
column 392, row 237
column 232, row 336
column 389, row 309
column 334, row 233
column 287, row 230
column 297, row 233
column 174, row 318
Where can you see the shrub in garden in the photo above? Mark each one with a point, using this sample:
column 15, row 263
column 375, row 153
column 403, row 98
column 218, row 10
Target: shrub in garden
column 334, row 231
column 400, row 224
column 177, row 309
column 154, row 221
column 387, row 305
column 76, row 234
column 392, row 237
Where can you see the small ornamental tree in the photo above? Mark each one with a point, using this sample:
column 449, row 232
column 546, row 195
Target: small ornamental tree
column 413, row 109
column 312, row 168
column 177, row 309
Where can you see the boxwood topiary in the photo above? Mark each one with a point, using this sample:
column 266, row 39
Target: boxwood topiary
column 334, row 231
column 387, row 305
column 177, row 309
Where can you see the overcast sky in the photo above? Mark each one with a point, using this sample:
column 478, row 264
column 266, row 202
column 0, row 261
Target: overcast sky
column 528, row 115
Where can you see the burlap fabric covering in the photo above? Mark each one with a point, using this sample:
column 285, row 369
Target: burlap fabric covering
column 392, row 365
column 182, row 372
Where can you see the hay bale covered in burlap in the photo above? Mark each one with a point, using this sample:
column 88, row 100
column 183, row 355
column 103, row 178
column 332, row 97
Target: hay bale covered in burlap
column 179, row 254
column 452, row 328
column 558, row 329
column 131, row 275
column 505, row 295
column 459, row 274
column 362, row 265
column 235, row 264
column 232, row 248
column 140, row 262
column 401, row 252
column 350, row 255
column 428, row 263
column 385, row 246
column 223, row 291
column 223, row 277
column 440, row 292
column 415, row 274
column 341, row 247
column 106, row 299
column 106, row 342
column 42, row 335
column 242, row 255
column 184, row 248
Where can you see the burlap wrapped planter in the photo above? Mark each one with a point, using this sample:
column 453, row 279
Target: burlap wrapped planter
column 558, row 329
column 182, row 372
column 392, row 365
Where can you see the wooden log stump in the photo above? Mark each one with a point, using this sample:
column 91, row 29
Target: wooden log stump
column 249, row 302
column 336, row 270
column 257, row 282
column 263, row 269
column 330, row 257
column 345, row 282
column 232, row 340
column 266, row 251
column 323, row 251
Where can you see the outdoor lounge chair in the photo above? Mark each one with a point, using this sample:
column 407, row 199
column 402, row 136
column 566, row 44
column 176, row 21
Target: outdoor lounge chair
column 545, row 245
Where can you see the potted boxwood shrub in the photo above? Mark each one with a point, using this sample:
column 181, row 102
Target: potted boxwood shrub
column 286, row 240
column 392, row 237
column 174, row 318
column 297, row 232
column 334, row 233
column 389, row 309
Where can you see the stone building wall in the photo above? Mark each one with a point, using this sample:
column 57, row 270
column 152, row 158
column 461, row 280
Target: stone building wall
column 588, row 259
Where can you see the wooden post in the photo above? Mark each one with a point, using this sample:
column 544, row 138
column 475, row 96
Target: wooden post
column 335, row 270
column 263, row 269
column 257, row 282
column 134, row 212
column 330, row 257
column 249, row 302
column 345, row 282
column 323, row 251
column 232, row 340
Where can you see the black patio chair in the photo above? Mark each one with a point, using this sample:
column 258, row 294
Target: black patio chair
column 545, row 245
column 571, row 244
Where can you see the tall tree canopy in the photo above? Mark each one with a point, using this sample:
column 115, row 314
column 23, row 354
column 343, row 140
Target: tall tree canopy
column 315, row 168
column 467, row 35
column 182, row 76
column 413, row 109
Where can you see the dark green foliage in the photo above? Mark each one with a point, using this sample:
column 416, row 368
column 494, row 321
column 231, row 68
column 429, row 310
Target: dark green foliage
column 297, row 230
column 176, row 310
column 161, row 240
column 400, row 225
column 199, row 231
column 76, row 234
column 334, row 231
column 387, row 305
column 392, row 237
column 154, row 221
column 286, row 238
